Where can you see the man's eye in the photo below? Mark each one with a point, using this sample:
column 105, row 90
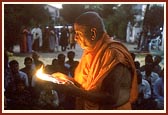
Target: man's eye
column 76, row 33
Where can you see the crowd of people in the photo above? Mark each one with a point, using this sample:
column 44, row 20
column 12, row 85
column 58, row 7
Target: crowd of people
column 106, row 77
column 23, row 90
column 46, row 40
column 150, row 83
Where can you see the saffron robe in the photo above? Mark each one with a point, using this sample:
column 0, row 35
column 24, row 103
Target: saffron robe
column 96, row 64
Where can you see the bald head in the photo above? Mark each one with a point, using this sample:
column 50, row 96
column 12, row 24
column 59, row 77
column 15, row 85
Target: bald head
column 92, row 20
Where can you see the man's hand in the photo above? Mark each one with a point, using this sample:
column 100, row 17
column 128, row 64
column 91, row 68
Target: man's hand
column 68, row 87
column 65, row 78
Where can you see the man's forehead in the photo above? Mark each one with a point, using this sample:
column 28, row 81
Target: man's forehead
column 14, row 65
column 79, row 28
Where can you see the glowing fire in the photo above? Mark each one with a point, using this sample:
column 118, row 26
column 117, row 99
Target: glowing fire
column 56, row 79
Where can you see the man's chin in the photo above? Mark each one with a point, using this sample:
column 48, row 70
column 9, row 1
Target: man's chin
column 82, row 46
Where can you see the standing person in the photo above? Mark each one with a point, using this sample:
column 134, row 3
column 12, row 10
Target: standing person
column 72, row 39
column 46, row 36
column 29, row 40
column 64, row 39
column 106, row 76
column 139, row 36
column 52, row 39
column 57, row 40
column 23, row 44
column 142, row 40
column 37, row 38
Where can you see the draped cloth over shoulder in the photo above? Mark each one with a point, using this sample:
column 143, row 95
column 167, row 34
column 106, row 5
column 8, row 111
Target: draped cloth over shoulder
column 95, row 65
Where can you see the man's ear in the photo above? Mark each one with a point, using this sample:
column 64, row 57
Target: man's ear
column 93, row 33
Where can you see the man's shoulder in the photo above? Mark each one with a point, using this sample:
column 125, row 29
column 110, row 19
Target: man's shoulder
column 120, row 70
column 22, row 74
column 23, row 69
column 159, row 81
column 154, row 74
column 39, row 62
column 145, row 82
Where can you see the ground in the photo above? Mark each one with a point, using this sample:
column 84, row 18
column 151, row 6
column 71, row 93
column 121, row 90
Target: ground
column 47, row 57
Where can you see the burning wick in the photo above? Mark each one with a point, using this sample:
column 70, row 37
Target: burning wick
column 47, row 77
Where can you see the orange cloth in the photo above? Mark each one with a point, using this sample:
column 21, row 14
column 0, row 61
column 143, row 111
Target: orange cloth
column 95, row 65
column 24, row 41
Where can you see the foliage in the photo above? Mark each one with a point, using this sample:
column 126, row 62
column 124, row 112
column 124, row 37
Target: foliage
column 154, row 17
column 18, row 15
column 116, row 23
column 108, row 10
column 70, row 11
column 115, row 17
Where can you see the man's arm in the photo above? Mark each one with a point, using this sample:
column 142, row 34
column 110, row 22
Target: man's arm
column 115, row 88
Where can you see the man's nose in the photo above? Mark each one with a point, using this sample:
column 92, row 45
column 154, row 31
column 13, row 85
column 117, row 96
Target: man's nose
column 75, row 37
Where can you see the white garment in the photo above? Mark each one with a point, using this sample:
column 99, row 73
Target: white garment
column 145, row 88
column 153, row 77
column 22, row 75
column 37, row 34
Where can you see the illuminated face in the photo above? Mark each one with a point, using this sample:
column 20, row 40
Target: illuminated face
column 82, row 37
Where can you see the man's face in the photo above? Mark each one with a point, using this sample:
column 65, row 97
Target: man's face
column 61, row 60
column 14, row 68
column 28, row 63
column 82, row 37
column 71, row 56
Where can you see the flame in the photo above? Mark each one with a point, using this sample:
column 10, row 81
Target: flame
column 40, row 74
column 59, row 78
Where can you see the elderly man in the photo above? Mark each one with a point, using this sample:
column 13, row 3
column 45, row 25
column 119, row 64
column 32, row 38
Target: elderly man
column 105, row 77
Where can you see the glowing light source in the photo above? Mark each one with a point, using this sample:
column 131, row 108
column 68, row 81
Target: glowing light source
column 161, row 28
column 56, row 79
